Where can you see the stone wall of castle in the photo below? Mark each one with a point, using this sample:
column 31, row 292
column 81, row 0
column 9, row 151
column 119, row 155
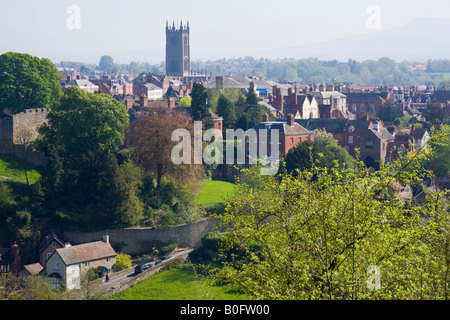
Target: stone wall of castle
column 142, row 240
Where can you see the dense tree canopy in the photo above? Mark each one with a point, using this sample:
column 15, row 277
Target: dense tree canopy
column 323, row 152
column 84, row 122
column 27, row 82
column 338, row 234
column 199, row 103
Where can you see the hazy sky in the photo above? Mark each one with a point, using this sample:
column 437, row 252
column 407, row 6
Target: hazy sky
column 135, row 29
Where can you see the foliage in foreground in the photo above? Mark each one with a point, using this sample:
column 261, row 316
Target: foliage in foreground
column 339, row 234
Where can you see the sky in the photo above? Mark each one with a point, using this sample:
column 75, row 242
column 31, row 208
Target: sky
column 134, row 30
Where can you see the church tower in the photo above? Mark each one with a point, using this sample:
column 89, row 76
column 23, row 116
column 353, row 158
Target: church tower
column 178, row 59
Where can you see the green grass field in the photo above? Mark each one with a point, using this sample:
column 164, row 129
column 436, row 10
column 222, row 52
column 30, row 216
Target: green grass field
column 176, row 284
column 12, row 170
column 214, row 191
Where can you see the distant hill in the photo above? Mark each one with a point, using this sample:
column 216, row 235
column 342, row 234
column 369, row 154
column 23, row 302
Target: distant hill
column 419, row 40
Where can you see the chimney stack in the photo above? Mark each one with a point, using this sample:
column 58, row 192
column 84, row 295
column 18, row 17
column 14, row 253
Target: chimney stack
column 143, row 101
column 290, row 119
column 105, row 239
column 171, row 103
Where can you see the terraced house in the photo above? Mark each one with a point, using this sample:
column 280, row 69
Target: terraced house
column 67, row 266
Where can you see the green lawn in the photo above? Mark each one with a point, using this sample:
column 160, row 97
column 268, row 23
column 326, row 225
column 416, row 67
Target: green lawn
column 214, row 191
column 12, row 170
column 176, row 284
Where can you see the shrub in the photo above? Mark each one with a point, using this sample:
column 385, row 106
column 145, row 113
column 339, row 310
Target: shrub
column 168, row 248
column 172, row 264
column 123, row 261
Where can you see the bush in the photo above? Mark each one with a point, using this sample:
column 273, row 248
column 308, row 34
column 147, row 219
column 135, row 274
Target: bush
column 172, row 264
column 123, row 261
column 211, row 240
column 167, row 249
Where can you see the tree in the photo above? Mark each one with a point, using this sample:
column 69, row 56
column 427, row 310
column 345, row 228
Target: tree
column 108, row 192
column 27, row 82
column 338, row 234
column 106, row 63
column 324, row 152
column 185, row 101
column 123, row 261
column 227, row 110
column 434, row 114
column 253, row 109
column 151, row 135
column 388, row 111
column 24, row 136
column 199, row 104
column 84, row 122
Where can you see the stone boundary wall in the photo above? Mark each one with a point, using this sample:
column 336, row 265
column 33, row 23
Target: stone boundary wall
column 141, row 241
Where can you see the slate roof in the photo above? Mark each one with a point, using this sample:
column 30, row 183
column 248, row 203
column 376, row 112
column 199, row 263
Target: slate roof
column 383, row 133
column 363, row 97
column 86, row 252
column 283, row 128
column 34, row 268
column 48, row 239
column 442, row 96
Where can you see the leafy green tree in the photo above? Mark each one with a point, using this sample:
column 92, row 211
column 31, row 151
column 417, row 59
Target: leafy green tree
column 123, row 261
column 199, row 104
column 324, row 152
column 106, row 63
column 435, row 114
column 27, row 82
column 185, row 102
column 388, row 111
column 243, row 123
column 253, row 109
column 84, row 122
column 227, row 110
column 109, row 192
column 7, row 202
column 338, row 234
column 439, row 162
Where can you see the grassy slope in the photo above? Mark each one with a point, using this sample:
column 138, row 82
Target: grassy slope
column 12, row 170
column 214, row 191
column 175, row 284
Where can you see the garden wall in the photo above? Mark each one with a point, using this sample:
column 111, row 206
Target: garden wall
column 142, row 240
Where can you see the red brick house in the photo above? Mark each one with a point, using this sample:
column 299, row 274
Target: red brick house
column 290, row 134
column 364, row 105
column 346, row 132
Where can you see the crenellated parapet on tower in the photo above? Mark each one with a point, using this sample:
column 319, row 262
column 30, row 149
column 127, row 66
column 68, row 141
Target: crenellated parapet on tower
column 178, row 58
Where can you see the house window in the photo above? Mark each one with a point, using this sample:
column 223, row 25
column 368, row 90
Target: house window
column 292, row 141
column 108, row 260
column 53, row 244
column 369, row 144
column 49, row 255
column 362, row 108
column 86, row 264
column 56, row 265
column 354, row 107
column 350, row 139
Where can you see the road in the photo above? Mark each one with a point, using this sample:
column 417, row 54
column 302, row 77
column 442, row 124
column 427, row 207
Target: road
column 129, row 278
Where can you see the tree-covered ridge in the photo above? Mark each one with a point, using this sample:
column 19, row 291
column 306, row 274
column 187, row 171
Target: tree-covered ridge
column 384, row 71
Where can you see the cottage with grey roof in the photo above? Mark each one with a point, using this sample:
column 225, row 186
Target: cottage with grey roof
column 68, row 265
